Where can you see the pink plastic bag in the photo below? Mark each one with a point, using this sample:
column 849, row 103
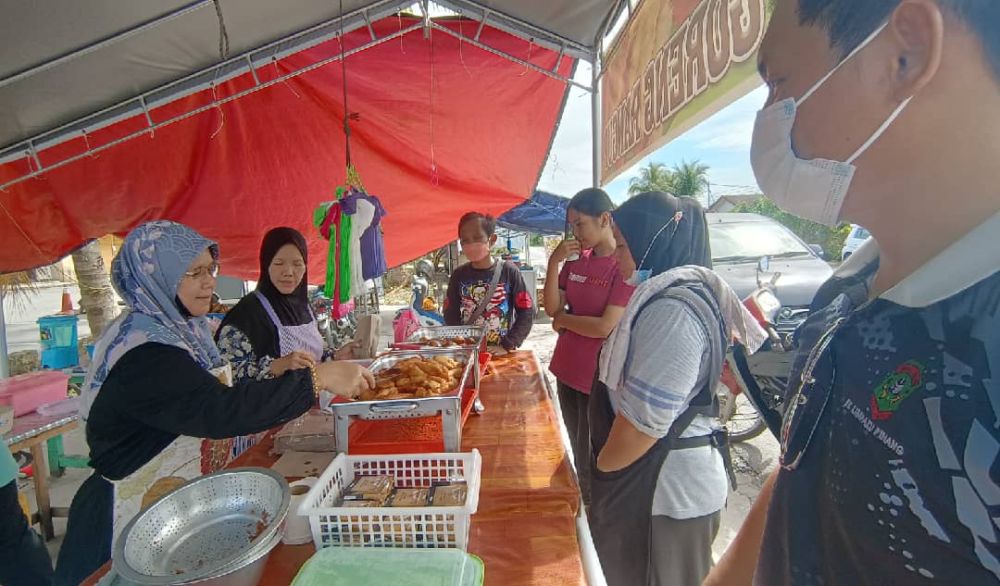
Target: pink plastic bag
column 340, row 310
column 406, row 322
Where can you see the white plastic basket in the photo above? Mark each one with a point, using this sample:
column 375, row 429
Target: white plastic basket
column 419, row 527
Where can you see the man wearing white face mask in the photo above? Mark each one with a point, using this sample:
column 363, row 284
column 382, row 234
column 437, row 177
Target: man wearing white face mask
column 879, row 111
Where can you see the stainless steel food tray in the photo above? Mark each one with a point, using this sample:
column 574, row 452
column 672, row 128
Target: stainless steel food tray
column 449, row 405
column 439, row 332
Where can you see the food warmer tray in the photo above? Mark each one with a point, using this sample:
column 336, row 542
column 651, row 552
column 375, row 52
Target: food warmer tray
column 440, row 332
column 449, row 405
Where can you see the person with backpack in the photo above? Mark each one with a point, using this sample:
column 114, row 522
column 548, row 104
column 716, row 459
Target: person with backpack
column 659, row 473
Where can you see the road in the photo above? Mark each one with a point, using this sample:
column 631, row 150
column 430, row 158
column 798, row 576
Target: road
column 753, row 461
column 22, row 316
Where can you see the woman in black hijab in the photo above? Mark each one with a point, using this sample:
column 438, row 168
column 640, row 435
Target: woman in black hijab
column 640, row 220
column 659, row 479
column 273, row 330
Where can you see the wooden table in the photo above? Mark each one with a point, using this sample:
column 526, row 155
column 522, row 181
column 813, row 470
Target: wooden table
column 525, row 529
column 31, row 432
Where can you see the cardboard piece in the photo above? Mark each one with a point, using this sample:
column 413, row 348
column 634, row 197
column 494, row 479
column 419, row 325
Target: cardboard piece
column 312, row 432
column 367, row 336
column 303, row 464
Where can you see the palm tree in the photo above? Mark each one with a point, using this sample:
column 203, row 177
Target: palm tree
column 96, row 296
column 689, row 179
column 14, row 288
column 652, row 177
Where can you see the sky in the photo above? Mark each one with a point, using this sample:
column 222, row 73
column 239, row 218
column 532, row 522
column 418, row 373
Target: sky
column 722, row 142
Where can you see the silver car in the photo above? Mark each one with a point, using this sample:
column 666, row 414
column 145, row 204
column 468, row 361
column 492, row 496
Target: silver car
column 739, row 241
column 854, row 240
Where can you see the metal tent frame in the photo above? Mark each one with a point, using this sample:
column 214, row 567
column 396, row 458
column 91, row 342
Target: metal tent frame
column 498, row 14
column 251, row 61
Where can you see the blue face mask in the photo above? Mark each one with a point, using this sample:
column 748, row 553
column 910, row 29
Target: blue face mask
column 641, row 275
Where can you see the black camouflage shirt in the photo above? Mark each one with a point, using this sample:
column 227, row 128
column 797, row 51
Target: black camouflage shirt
column 891, row 449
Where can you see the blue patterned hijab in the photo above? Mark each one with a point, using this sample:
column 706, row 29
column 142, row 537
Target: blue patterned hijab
column 146, row 274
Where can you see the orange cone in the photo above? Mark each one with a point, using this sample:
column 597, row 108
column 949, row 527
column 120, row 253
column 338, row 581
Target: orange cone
column 67, row 302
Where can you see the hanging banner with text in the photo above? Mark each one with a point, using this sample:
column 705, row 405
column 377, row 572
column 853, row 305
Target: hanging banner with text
column 676, row 63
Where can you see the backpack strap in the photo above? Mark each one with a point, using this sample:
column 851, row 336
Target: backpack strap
column 702, row 302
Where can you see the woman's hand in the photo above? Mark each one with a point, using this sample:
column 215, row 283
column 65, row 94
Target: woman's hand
column 348, row 351
column 564, row 250
column 293, row 361
column 557, row 324
column 625, row 445
column 344, row 378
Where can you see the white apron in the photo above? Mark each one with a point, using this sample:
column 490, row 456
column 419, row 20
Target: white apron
column 303, row 338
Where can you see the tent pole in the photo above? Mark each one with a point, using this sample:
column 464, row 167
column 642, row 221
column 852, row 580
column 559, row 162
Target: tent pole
column 115, row 38
column 507, row 56
column 4, row 364
column 595, row 116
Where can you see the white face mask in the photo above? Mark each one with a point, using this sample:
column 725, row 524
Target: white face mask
column 641, row 275
column 813, row 189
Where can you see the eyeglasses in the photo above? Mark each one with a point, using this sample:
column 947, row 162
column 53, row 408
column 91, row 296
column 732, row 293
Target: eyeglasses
column 200, row 273
column 807, row 404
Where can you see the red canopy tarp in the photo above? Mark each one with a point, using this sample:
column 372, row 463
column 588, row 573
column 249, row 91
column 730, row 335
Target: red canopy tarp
column 444, row 129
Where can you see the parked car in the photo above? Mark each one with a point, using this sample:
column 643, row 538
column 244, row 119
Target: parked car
column 854, row 241
column 739, row 241
column 747, row 250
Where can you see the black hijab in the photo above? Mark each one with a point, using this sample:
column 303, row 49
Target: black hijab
column 292, row 309
column 640, row 220
column 249, row 315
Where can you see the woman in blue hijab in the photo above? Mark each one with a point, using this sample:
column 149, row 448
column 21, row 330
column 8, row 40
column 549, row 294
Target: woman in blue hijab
column 159, row 403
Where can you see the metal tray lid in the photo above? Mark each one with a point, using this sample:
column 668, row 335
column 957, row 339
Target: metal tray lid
column 440, row 332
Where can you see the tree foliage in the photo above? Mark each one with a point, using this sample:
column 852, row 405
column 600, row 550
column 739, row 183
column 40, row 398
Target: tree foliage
column 831, row 239
column 689, row 179
column 683, row 180
column 652, row 177
column 17, row 288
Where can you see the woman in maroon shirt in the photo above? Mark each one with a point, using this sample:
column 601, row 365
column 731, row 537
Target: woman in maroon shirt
column 585, row 304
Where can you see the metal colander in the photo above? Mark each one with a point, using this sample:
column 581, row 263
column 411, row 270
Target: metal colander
column 208, row 526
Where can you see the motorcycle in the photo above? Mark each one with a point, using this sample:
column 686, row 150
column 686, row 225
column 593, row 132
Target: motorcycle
column 422, row 303
column 751, row 393
column 336, row 332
